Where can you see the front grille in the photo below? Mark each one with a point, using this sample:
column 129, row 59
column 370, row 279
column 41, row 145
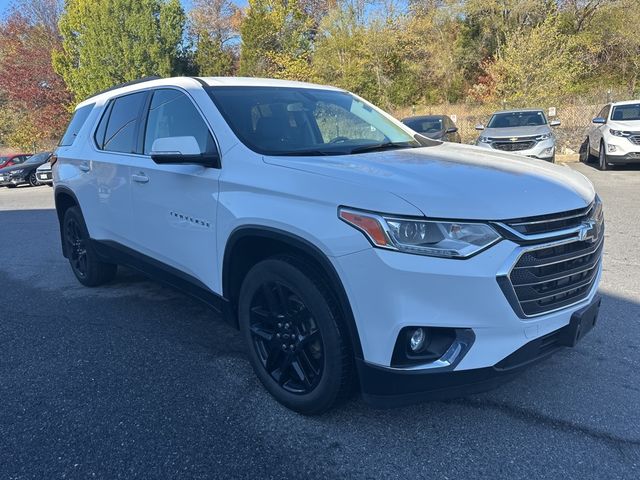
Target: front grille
column 513, row 146
column 555, row 222
column 635, row 139
column 551, row 278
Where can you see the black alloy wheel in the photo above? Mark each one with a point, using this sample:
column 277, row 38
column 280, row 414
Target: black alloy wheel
column 292, row 328
column 87, row 267
column 286, row 338
column 76, row 247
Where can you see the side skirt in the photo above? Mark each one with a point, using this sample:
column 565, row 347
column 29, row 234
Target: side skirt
column 114, row 252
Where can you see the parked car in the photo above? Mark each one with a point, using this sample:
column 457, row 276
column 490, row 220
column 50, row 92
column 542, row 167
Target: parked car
column 23, row 173
column 44, row 175
column 614, row 137
column 13, row 159
column 438, row 127
column 331, row 234
column 524, row 132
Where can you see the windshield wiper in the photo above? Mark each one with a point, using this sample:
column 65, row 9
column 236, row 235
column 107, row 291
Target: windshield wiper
column 381, row 146
column 308, row 153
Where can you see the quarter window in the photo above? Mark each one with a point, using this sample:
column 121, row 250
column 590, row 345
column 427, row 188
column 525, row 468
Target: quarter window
column 76, row 123
column 118, row 128
column 172, row 114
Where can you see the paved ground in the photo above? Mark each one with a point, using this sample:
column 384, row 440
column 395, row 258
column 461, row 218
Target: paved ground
column 135, row 380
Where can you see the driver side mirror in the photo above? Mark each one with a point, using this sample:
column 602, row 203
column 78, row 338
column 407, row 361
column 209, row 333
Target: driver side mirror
column 479, row 127
column 451, row 130
column 599, row 120
column 182, row 151
column 554, row 123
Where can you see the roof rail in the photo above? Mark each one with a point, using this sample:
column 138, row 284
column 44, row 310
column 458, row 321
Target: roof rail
column 126, row 84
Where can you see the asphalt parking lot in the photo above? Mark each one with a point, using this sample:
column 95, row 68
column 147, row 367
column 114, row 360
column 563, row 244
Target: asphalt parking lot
column 136, row 380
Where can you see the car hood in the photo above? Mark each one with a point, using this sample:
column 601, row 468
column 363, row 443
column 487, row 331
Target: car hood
column 20, row 166
column 457, row 181
column 630, row 125
column 44, row 167
column 516, row 131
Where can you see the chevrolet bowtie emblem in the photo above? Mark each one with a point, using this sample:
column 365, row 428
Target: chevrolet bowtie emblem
column 588, row 232
column 514, row 139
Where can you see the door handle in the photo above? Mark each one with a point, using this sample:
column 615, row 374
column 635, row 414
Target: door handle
column 84, row 166
column 140, row 178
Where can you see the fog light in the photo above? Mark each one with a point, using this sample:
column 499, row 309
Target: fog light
column 547, row 152
column 611, row 148
column 417, row 340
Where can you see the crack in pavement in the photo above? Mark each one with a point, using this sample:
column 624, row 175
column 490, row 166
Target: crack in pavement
column 531, row 416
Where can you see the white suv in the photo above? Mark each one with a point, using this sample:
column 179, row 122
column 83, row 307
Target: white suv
column 614, row 137
column 349, row 250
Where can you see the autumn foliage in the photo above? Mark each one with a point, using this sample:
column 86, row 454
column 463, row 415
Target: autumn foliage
column 34, row 97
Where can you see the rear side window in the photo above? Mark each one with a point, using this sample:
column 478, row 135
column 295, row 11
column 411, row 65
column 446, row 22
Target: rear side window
column 172, row 114
column 76, row 123
column 118, row 128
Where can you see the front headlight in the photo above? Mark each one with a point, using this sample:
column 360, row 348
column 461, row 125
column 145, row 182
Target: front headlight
column 15, row 173
column 449, row 239
column 544, row 136
column 619, row 133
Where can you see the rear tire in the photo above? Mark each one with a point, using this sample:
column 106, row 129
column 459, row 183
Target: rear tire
column 290, row 325
column 85, row 264
column 602, row 158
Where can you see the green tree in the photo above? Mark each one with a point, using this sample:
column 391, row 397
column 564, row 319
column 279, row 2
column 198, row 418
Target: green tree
column 276, row 40
column 536, row 65
column 106, row 42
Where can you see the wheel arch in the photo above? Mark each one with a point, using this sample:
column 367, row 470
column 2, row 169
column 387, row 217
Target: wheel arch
column 247, row 245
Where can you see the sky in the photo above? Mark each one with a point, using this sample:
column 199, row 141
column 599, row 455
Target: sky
column 4, row 5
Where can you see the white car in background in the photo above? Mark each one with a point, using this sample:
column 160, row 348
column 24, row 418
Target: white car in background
column 43, row 174
column 614, row 137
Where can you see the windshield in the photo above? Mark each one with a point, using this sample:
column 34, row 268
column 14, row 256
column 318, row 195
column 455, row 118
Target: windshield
column 626, row 112
column 517, row 119
column 38, row 158
column 425, row 125
column 3, row 159
column 304, row 121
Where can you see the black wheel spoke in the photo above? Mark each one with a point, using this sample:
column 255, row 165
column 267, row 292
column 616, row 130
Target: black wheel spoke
column 286, row 337
column 260, row 331
column 300, row 373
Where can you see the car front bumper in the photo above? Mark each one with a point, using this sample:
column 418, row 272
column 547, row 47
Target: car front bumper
column 621, row 150
column 544, row 150
column 389, row 291
column 44, row 176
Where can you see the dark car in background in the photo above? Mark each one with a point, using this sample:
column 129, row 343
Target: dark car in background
column 13, row 159
column 438, row 127
column 23, row 173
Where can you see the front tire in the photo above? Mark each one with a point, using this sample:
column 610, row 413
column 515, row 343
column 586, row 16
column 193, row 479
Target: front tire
column 33, row 180
column 290, row 325
column 602, row 158
column 85, row 264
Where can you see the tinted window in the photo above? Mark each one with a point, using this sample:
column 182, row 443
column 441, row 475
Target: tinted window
column 517, row 119
column 172, row 114
column 626, row 112
column 121, row 124
column 305, row 121
column 76, row 123
column 39, row 158
column 425, row 125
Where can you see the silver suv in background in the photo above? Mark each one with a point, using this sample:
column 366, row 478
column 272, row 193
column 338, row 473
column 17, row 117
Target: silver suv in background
column 524, row 132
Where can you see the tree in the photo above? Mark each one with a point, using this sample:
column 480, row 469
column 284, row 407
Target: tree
column 106, row 42
column 536, row 65
column 215, row 30
column 33, row 93
column 276, row 40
